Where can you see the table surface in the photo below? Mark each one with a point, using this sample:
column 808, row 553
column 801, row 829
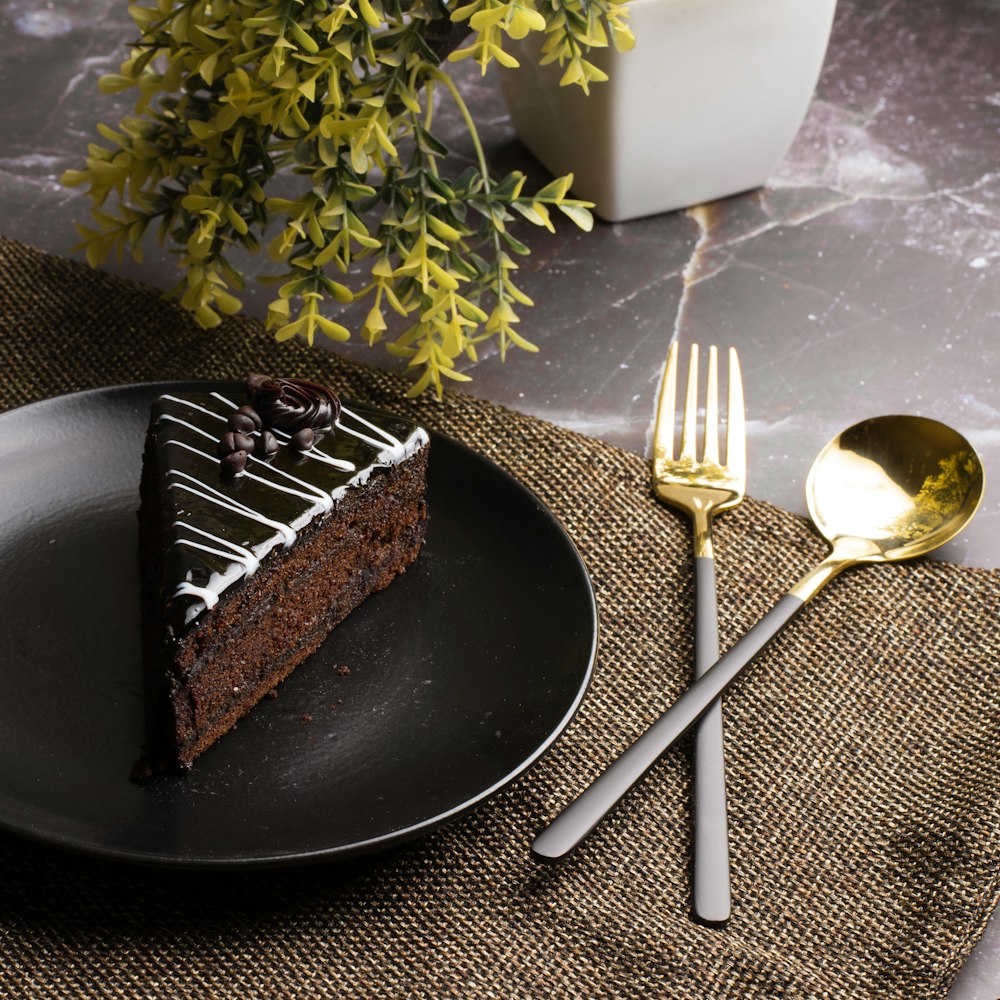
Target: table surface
column 863, row 279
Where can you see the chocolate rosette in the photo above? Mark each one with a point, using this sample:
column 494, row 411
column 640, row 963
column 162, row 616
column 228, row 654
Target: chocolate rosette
column 292, row 405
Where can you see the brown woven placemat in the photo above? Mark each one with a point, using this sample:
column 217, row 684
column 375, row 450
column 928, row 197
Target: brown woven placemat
column 863, row 773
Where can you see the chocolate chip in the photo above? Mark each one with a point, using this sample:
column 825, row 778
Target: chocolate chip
column 249, row 411
column 233, row 463
column 242, row 423
column 303, row 439
column 233, row 441
column 270, row 443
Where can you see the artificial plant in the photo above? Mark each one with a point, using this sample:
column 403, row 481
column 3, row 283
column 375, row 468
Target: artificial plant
column 233, row 93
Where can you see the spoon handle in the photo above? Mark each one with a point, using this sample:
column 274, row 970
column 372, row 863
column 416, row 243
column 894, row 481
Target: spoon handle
column 580, row 817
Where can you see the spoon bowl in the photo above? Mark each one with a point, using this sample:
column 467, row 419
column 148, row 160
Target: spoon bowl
column 886, row 489
column 906, row 484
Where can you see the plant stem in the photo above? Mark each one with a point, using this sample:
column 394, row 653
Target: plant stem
column 484, row 171
column 463, row 110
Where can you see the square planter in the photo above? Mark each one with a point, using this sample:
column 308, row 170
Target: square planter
column 704, row 106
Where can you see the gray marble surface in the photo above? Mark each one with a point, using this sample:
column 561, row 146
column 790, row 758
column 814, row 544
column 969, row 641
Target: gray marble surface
column 863, row 279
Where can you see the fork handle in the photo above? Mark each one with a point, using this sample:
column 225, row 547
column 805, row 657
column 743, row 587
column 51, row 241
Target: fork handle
column 710, row 876
column 580, row 817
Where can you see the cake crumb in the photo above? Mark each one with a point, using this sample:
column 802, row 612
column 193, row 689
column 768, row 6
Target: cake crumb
column 343, row 670
column 141, row 770
column 306, row 718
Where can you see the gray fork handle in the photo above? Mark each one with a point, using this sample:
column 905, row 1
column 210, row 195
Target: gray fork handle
column 710, row 877
column 577, row 820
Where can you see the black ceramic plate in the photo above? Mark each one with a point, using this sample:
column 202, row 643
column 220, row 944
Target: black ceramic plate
column 459, row 675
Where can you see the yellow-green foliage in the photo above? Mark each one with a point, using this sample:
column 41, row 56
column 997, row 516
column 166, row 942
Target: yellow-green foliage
column 230, row 92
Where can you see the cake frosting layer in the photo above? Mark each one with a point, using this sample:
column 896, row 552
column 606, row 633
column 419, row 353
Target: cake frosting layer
column 223, row 526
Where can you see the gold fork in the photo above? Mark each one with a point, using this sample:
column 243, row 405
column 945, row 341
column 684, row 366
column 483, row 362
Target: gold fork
column 703, row 488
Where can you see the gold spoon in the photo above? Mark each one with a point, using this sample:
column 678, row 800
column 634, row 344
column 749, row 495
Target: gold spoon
column 887, row 489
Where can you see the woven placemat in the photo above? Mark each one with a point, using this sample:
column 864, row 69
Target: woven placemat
column 863, row 774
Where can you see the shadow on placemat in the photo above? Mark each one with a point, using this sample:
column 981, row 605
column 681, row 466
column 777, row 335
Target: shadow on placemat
column 863, row 774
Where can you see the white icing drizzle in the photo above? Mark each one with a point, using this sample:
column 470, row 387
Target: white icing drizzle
column 209, row 597
column 394, row 441
column 397, row 451
column 286, row 531
column 384, row 454
column 223, row 399
column 242, row 563
column 184, row 423
column 315, row 492
column 316, row 454
column 242, row 555
column 315, row 496
column 320, row 498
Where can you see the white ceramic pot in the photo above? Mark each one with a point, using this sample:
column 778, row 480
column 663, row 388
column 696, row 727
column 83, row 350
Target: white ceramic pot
column 704, row 106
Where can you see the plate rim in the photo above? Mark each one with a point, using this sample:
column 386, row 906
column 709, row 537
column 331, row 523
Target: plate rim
column 366, row 846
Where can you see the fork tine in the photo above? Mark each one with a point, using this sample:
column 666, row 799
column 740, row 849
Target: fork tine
column 736, row 434
column 663, row 437
column 689, row 428
column 712, row 408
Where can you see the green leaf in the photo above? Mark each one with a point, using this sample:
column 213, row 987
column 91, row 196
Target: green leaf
column 515, row 244
column 535, row 212
column 555, row 190
column 580, row 215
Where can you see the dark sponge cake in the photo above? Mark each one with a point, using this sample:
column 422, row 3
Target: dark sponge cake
column 261, row 528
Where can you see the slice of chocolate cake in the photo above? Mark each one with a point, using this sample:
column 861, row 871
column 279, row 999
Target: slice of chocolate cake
column 263, row 523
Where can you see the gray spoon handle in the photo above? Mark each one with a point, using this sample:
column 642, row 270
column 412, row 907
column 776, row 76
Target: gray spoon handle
column 580, row 817
column 710, row 875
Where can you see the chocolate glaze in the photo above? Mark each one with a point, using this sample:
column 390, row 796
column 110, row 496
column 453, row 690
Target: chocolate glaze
column 223, row 526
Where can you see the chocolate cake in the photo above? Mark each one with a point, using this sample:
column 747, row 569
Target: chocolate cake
column 263, row 524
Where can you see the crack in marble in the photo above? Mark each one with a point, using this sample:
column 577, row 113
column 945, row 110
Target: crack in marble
column 792, row 221
column 10, row 164
column 701, row 215
column 48, row 183
column 839, row 297
column 642, row 289
column 87, row 65
column 625, row 363
column 878, row 14
column 945, row 192
column 973, row 207
column 874, row 317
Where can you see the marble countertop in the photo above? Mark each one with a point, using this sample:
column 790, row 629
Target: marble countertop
column 863, row 279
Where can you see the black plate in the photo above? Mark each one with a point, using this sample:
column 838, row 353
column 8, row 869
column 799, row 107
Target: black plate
column 461, row 673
